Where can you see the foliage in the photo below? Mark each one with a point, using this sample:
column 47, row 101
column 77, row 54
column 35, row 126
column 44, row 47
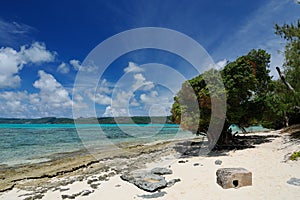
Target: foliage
column 246, row 83
column 291, row 33
column 295, row 155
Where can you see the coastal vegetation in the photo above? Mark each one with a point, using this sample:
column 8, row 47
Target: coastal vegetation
column 251, row 94
column 295, row 155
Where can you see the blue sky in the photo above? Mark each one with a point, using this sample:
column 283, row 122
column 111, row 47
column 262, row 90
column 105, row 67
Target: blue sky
column 44, row 44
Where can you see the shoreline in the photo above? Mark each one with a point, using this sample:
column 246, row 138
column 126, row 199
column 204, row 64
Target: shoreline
column 58, row 178
column 70, row 163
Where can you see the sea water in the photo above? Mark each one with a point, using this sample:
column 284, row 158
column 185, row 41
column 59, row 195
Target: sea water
column 34, row 143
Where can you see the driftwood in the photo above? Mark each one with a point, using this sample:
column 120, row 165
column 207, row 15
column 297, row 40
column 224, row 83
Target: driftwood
column 284, row 80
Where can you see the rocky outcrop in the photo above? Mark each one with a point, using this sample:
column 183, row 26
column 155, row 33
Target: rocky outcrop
column 146, row 181
column 150, row 181
column 161, row 171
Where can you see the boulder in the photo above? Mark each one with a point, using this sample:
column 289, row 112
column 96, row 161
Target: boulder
column 294, row 181
column 146, row 181
column 161, row 171
column 173, row 181
column 218, row 162
column 233, row 177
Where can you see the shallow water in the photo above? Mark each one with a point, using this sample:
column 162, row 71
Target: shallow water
column 33, row 143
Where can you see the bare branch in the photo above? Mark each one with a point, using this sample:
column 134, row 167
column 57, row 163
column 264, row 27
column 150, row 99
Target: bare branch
column 284, row 80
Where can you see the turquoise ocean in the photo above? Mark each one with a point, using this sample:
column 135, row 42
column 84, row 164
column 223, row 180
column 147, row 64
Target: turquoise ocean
column 34, row 143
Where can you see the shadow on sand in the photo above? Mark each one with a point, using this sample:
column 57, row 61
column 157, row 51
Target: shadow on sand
column 200, row 148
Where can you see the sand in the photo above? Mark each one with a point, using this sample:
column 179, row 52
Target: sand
column 268, row 163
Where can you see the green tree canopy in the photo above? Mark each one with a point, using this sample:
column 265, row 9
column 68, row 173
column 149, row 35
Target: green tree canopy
column 284, row 103
column 246, row 82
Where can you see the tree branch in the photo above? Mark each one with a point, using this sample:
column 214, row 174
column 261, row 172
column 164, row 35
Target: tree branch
column 284, row 81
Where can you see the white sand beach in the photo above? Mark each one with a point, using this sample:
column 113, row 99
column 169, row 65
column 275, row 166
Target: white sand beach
column 267, row 162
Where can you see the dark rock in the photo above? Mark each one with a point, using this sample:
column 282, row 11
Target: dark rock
column 294, row 181
column 145, row 180
column 218, row 162
column 181, row 161
column 95, row 185
column 36, row 196
column 233, row 177
column 90, row 181
column 161, row 171
column 172, row 182
column 86, row 192
column 65, row 196
column 118, row 185
column 152, row 196
column 63, row 189
column 197, row 164
column 103, row 178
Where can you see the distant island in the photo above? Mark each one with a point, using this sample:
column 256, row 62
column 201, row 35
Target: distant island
column 101, row 120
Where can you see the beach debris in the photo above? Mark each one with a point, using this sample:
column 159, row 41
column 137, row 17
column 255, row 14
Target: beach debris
column 145, row 180
column 218, row 162
column 294, row 181
column 152, row 196
column 172, row 182
column 233, row 177
column 161, row 171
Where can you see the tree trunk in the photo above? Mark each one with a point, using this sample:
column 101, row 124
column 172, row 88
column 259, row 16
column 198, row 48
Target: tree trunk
column 284, row 80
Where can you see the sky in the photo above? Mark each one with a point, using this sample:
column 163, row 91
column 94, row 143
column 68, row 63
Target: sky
column 53, row 62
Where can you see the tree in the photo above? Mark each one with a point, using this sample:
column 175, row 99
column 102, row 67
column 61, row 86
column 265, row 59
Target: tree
column 290, row 77
column 246, row 83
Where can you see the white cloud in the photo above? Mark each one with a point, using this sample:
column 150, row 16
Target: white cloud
column 51, row 100
column 99, row 98
column 63, row 68
column 52, row 93
column 78, row 66
column 132, row 67
column 12, row 33
column 102, row 94
column 221, row 64
column 115, row 112
column 36, row 53
column 151, row 98
column 12, row 61
column 10, row 64
column 141, row 83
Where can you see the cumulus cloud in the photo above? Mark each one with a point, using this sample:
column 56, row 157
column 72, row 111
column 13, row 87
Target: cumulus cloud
column 52, row 93
column 132, row 67
column 36, row 53
column 78, row 66
column 151, row 98
column 63, row 68
column 141, row 83
column 12, row 61
column 51, row 100
column 102, row 94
